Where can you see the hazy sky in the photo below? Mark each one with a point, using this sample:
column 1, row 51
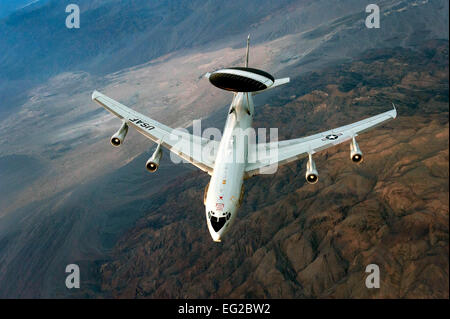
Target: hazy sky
column 8, row 6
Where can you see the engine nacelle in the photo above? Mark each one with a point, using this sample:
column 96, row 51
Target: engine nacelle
column 355, row 152
column 118, row 138
column 153, row 162
column 312, row 175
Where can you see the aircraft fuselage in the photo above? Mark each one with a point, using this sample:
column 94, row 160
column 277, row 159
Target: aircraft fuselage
column 225, row 187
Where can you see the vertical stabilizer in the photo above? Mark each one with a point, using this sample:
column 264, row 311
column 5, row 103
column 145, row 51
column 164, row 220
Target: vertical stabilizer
column 246, row 55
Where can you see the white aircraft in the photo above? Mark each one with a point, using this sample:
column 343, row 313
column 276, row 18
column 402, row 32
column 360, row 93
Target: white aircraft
column 224, row 192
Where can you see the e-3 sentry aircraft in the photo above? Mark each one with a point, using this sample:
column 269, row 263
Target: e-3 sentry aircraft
column 223, row 194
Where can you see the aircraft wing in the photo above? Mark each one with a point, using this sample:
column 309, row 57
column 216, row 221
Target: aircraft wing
column 266, row 156
column 198, row 151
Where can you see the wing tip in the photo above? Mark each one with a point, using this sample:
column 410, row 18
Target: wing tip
column 95, row 94
column 395, row 110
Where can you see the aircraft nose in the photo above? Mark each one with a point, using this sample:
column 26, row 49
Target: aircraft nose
column 216, row 234
column 216, row 237
column 217, row 225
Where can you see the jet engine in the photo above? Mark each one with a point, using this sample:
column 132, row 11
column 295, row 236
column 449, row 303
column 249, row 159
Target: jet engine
column 153, row 162
column 312, row 176
column 118, row 137
column 355, row 153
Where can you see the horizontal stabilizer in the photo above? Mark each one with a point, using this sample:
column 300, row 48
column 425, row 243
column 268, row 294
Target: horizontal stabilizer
column 275, row 84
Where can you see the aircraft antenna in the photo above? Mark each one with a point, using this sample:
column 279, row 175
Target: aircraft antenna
column 246, row 55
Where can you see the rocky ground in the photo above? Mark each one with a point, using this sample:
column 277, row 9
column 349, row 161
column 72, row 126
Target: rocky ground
column 294, row 240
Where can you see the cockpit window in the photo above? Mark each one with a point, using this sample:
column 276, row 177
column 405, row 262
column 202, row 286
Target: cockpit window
column 217, row 223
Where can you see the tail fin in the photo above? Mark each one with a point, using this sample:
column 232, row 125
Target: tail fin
column 248, row 47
